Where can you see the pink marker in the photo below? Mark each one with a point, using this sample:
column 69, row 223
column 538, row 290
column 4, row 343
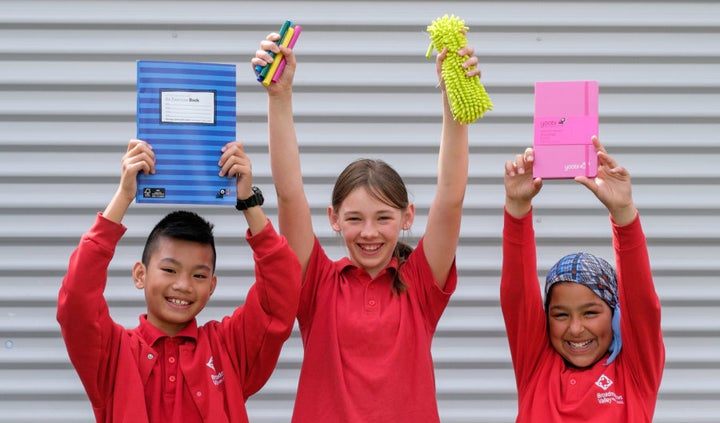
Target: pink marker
column 291, row 44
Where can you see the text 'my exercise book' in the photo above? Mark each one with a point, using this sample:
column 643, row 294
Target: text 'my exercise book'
column 566, row 118
column 186, row 111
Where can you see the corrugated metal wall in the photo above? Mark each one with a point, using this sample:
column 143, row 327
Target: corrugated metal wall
column 364, row 88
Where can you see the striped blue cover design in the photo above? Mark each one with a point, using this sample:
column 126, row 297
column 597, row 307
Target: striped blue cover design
column 186, row 154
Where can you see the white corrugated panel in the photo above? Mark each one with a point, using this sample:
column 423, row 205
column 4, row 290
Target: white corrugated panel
column 364, row 88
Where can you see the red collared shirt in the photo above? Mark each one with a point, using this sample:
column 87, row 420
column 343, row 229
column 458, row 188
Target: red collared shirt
column 368, row 350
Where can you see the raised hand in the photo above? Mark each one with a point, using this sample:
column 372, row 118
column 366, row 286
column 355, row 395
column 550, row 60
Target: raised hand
column 611, row 186
column 235, row 163
column 520, row 186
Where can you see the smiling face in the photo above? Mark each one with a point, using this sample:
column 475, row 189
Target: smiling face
column 370, row 229
column 178, row 282
column 579, row 324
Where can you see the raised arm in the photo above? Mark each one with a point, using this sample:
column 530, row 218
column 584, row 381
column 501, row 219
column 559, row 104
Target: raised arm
column 87, row 328
column 443, row 226
column 265, row 321
column 295, row 220
column 520, row 297
column 639, row 304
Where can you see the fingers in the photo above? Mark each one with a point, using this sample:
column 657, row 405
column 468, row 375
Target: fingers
column 596, row 143
column 233, row 160
column 522, row 163
column 472, row 63
column 262, row 54
column 138, row 158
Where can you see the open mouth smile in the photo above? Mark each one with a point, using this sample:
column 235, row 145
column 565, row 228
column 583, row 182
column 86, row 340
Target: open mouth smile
column 178, row 302
column 579, row 347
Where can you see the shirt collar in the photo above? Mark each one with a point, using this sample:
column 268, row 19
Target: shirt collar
column 346, row 265
column 151, row 334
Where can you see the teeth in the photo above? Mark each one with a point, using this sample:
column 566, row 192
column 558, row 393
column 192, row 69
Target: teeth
column 179, row 302
column 370, row 248
column 580, row 344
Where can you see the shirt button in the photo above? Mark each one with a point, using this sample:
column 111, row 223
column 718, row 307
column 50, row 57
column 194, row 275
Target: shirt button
column 150, row 356
column 171, row 359
column 572, row 381
column 171, row 378
column 371, row 303
column 198, row 394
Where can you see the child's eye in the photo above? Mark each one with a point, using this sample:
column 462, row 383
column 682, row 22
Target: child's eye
column 168, row 270
column 199, row 276
column 559, row 316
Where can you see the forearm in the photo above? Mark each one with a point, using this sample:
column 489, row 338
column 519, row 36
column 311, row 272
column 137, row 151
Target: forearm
column 520, row 298
column 453, row 158
column 641, row 329
column 294, row 218
column 118, row 205
column 256, row 219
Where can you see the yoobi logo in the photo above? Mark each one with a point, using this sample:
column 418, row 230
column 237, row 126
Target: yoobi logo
column 575, row 166
column 552, row 123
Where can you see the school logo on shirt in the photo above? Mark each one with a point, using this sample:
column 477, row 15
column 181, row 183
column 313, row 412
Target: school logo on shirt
column 607, row 397
column 218, row 378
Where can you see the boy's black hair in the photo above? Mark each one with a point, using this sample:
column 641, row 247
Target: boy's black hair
column 183, row 225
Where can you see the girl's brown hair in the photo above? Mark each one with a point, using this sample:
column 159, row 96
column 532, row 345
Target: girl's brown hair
column 384, row 184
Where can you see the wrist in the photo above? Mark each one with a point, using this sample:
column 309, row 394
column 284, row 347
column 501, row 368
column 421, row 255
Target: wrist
column 517, row 208
column 254, row 200
column 624, row 215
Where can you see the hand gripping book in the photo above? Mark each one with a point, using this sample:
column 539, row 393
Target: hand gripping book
column 186, row 111
column 565, row 119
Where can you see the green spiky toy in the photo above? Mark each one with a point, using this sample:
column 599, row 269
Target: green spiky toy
column 467, row 96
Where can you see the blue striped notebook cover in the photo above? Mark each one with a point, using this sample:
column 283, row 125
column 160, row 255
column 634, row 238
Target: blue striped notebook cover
column 187, row 112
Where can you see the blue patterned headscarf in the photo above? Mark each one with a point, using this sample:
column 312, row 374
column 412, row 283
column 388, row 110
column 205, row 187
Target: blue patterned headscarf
column 598, row 275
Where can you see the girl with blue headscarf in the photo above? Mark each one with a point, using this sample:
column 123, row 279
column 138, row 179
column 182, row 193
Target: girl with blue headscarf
column 592, row 351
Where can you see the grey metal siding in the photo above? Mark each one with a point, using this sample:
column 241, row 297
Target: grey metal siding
column 364, row 88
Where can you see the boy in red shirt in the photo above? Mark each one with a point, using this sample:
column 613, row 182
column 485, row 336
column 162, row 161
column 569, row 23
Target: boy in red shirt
column 595, row 353
column 169, row 369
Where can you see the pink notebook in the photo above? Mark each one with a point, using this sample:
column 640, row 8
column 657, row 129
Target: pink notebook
column 566, row 117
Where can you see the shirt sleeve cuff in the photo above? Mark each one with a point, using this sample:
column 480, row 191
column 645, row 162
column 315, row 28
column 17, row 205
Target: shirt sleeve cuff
column 106, row 230
column 516, row 228
column 628, row 236
column 264, row 241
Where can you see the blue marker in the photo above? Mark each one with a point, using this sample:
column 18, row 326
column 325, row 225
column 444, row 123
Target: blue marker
column 262, row 70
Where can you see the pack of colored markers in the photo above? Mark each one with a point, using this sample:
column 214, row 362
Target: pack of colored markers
column 289, row 34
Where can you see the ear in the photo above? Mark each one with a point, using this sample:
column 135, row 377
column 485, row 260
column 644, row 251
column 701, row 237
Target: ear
column 408, row 217
column 213, row 284
column 139, row 271
column 334, row 219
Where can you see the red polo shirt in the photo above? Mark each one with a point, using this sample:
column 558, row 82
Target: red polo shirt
column 367, row 350
column 203, row 374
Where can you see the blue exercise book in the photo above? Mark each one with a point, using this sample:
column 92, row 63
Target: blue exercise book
column 186, row 111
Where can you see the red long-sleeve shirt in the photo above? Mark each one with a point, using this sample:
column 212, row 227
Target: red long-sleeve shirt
column 203, row 374
column 548, row 389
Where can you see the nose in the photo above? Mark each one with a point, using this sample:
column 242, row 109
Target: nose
column 576, row 327
column 183, row 283
column 369, row 230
